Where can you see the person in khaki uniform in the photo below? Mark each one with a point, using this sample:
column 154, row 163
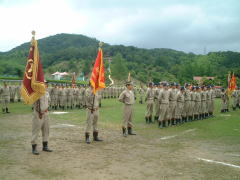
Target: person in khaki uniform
column 204, row 102
column 208, row 102
column 172, row 103
column 197, row 104
column 180, row 105
column 235, row 99
column 156, row 101
column 63, row 97
column 212, row 104
column 193, row 102
column 18, row 92
column 5, row 96
column 187, row 103
column 127, row 98
column 224, row 101
column 92, row 111
column 164, row 105
column 141, row 94
column 40, row 122
column 149, row 98
column 54, row 94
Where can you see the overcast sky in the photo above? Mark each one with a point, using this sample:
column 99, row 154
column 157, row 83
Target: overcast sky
column 186, row 25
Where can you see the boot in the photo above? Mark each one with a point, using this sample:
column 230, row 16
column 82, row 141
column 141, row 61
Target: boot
column 146, row 118
column 45, row 147
column 163, row 123
column 34, row 149
column 124, row 132
column 130, row 131
column 55, row 107
column 3, row 110
column 160, row 124
column 19, row 100
column 100, row 104
column 7, row 110
column 87, row 138
column 150, row 119
column 95, row 136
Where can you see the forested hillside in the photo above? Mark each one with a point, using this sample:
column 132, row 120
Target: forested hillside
column 76, row 53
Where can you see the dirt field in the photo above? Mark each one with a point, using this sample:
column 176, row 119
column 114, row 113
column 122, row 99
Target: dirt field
column 152, row 154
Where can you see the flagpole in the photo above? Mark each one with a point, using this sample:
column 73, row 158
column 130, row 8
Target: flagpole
column 99, row 48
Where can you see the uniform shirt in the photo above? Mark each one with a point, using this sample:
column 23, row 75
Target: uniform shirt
column 127, row 97
column 149, row 94
column 172, row 95
column 5, row 91
column 198, row 97
column 209, row 95
column 193, row 96
column 90, row 99
column 204, row 95
column 180, row 97
column 187, row 95
column 164, row 96
column 235, row 94
column 43, row 102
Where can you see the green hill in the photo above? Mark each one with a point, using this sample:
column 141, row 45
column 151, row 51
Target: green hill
column 76, row 53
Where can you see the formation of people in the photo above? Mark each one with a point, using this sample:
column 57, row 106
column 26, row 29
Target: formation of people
column 175, row 104
column 167, row 103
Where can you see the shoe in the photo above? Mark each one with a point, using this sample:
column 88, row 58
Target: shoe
column 87, row 138
column 95, row 136
column 34, row 149
column 124, row 132
column 45, row 147
column 130, row 131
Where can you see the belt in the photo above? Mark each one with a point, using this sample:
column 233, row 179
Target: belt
column 94, row 109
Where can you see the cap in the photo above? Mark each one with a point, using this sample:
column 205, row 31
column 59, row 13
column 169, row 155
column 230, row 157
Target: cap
column 129, row 83
column 182, row 88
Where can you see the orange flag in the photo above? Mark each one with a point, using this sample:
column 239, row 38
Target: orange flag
column 33, row 86
column 97, row 79
column 233, row 83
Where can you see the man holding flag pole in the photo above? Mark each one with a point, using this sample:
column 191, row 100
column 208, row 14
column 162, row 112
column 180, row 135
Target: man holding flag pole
column 97, row 82
column 34, row 93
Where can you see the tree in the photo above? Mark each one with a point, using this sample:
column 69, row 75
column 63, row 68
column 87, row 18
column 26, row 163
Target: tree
column 119, row 67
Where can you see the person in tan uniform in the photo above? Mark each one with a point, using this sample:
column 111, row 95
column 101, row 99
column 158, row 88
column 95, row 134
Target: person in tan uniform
column 18, row 92
column 180, row 105
column 40, row 122
column 187, row 103
column 197, row 103
column 156, row 101
column 213, row 96
column 172, row 103
column 193, row 102
column 149, row 98
column 92, row 110
column 208, row 101
column 127, row 98
column 224, row 101
column 164, row 105
column 235, row 99
column 5, row 96
column 204, row 102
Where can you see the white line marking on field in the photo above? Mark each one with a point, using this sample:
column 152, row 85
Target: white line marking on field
column 168, row 137
column 225, row 115
column 62, row 125
column 218, row 162
column 60, row 112
column 173, row 136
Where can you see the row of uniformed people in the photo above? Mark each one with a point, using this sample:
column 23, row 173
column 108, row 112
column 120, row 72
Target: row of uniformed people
column 175, row 104
column 225, row 97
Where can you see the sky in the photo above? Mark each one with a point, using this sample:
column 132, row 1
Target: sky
column 185, row 25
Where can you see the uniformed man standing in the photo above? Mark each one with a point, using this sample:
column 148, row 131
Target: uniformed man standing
column 224, row 100
column 172, row 103
column 180, row 105
column 198, row 103
column 5, row 94
column 127, row 97
column 235, row 99
column 187, row 103
column 92, row 111
column 149, row 98
column 40, row 122
column 141, row 94
column 164, row 105
column 156, row 101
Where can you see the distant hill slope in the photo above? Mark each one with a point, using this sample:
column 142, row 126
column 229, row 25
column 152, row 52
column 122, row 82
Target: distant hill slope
column 75, row 53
